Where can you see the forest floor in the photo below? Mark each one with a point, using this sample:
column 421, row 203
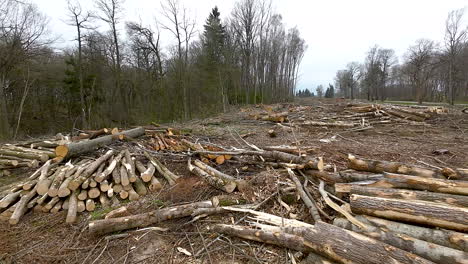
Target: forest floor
column 45, row 238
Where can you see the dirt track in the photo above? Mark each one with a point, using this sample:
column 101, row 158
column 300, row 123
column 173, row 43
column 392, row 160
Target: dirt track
column 45, row 238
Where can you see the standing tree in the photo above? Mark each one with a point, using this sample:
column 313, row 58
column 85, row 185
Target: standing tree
column 455, row 37
column 319, row 91
column 387, row 59
column 80, row 22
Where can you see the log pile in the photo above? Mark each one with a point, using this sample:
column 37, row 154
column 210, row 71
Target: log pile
column 19, row 155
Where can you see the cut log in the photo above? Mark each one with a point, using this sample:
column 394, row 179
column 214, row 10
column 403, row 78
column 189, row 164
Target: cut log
column 426, row 184
column 12, row 163
column 119, row 212
column 130, row 174
column 124, row 176
column 75, row 149
column 116, row 174
column 328, row 124
column 63, row 190
column 104, row 186
column 26, row 155
column 393, row 167
column 430, row 251
column 328, row 177
column 41, row 200
column 123, row 194
column 421, row 212
column 92, row 183
column 313, row 258
column 155, row 185
column 83, row 195
column 140, row 187
column 132, row 195
column 80, row 206
column 94, row 193
column 29, row 185
column 143, row 220
column 337, row 244
column 240, row 184
column 33, row 202
column 105, row 202
column 58, row 179
column 75, row 183
column 44, row 185
column 110, row 192
column 397, row 113
column 10, row 199
column 305, row 198
column 442, row 237
column 166, row 173
column 57, row 207
column 90, row 205
column 117, row 188
column 457, row 200
column 51, row 204
column 66, row 203
column 21, row 207
column 146, row 174
column 112, row 165
column 226, row 186
column 85, row 184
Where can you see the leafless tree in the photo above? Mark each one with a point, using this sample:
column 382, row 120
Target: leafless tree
column 80, row 21
column 386, row 59
column 455, row 37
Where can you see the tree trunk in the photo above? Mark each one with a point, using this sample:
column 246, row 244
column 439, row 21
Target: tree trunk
column 146, row 219
column 421, row 212
column 456, row 200
column 430, row 251
column 76, row 149
column 442, row 237
column 424, row 184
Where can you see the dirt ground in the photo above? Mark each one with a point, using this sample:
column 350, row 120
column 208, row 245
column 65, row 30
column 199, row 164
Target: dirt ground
column 45, row 238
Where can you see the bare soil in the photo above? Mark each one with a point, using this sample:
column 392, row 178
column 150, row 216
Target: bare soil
column 45, row 238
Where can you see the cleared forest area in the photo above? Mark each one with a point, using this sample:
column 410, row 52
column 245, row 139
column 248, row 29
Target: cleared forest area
column 317, row 180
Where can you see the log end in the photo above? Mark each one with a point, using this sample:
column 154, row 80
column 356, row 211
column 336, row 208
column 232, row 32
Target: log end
column 61, row 151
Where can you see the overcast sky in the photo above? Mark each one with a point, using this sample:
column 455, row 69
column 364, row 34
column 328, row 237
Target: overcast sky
column 336, row 31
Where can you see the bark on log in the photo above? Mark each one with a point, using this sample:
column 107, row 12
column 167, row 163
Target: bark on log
column 430, row 251
column 155, row 185
column 305, row 198
column 27, row 155
column 76, row 149
column 146, row 174
column 21, row 207
column 116, row 174
column 426, row 184
column 421, row 212
column 57, row 207
column 82, row 195
column 124, row 176
column 442, row 237
column 314, row 258
column 75, row 183
column 132, row 195
column 397, row 113
column 328, row 124
column 80, row 206
column 105, row 202
column 130, row 166
column 143, row 220
column 57, row 182
column 216, row 182
column 165, row 172
column 108, row 171
column 378, row 166
column 119, row 212
column 104, row 186
column 90, row 205
column 456, row 200
column 240, row 184
column 140, row 187
column 10, row 199
column 50, row 204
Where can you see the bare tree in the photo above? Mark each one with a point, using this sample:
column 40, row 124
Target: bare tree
column 387, row 59
column 81, row 22
column 455, row 37
column 420, row 66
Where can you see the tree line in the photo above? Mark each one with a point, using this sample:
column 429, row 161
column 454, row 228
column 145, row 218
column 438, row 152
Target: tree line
column 112, row 76
column 429, row 71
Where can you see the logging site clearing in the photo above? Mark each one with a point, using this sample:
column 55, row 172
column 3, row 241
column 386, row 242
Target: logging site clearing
column 314, row 181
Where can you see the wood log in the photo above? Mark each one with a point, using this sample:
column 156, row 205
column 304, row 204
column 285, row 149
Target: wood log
column 94, row 193
column 130, row 167
column 12, row 163
column 110, row 192
column 123, row 194
column 226, row 186
column 50, row 154
column 75, row 183
column 442, row 237
column 328, row 124
column 165, row 172
column 140, row 187
column 378, row 166
column 75, row 149
column 337, row 244
column 26, row 155
column 277, row 117
column 58, row 179
column 240, row 184
column 112, row 165
column 426, row 184
column 80, row 206
column 63, row 191
column 57, row 207
column 313, row 258
column 119, row 212
column 305, row 198
column 44, row 185
column 117, row 188
column 90, row 205
column 116, row 174
column 132, row 195
column 105, row 202
column 82, row 195
column 85, row 184
column 33, row 202
column 146, row 174
column 421, row 212
column 92, row 183
column 21, row 206
column 29, row 185
column 50, row 204
column 155, row 185
column 41, row 200
column 143, row 220
column 430, row 251
column 104, row 186
column 66, row 203
column 124, row 176
column 97, row 133
column 456, row 200
column 10, row 199
column 398, row 113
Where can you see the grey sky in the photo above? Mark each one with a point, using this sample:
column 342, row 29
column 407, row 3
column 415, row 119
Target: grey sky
column 336, row 31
